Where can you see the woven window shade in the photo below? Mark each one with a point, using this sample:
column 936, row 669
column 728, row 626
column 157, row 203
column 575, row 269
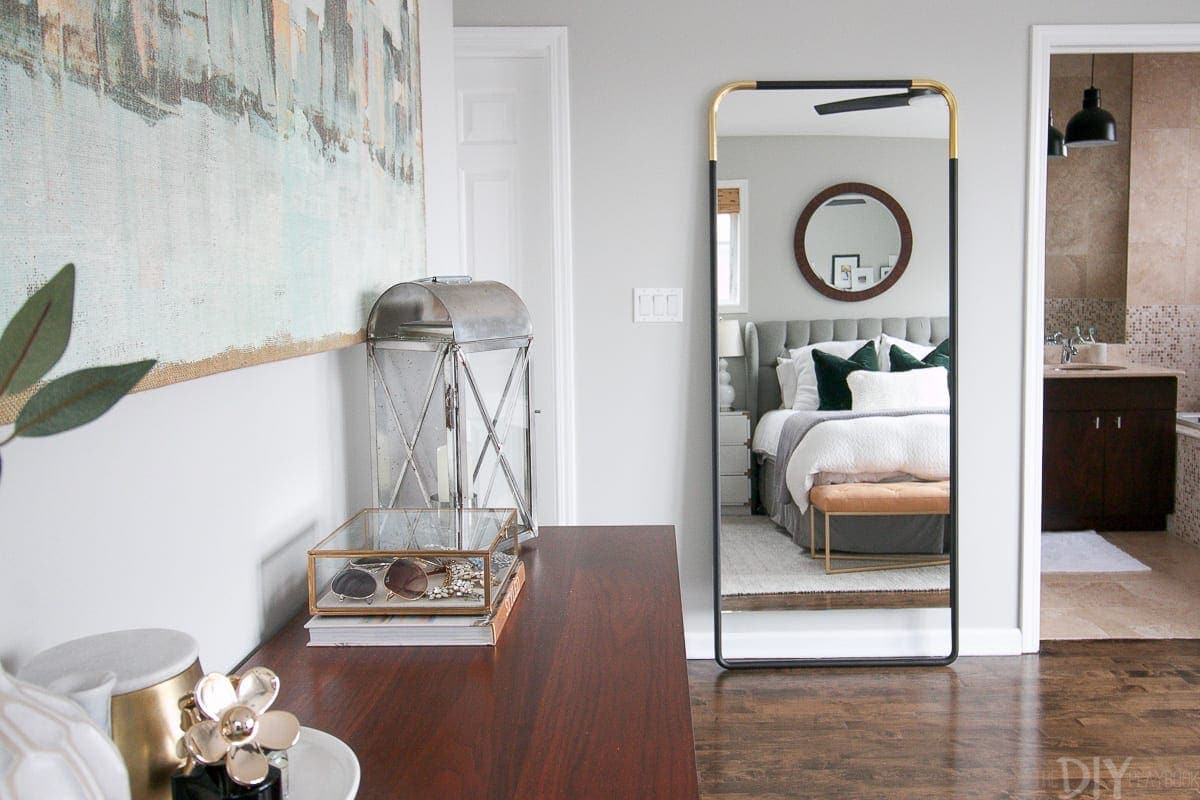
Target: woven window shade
column 729, row 201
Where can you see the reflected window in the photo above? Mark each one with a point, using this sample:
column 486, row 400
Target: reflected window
column 732, row 212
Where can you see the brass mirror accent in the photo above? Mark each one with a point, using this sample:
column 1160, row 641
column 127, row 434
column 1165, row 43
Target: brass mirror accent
column 849, row 259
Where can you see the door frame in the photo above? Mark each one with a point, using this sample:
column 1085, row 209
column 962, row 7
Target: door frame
column 1047, row 40
column 548, row 44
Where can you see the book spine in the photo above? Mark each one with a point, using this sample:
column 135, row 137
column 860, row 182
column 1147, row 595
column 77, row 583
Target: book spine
column 507, row 602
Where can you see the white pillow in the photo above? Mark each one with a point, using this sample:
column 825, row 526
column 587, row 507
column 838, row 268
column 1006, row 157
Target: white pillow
column 898, row 391
column 785, row 370
column 917, row 351
column 806, row 397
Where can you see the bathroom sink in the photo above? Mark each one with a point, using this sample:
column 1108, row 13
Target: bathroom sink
column 1091, row 367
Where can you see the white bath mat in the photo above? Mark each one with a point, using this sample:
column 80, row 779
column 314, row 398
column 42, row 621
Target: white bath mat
column 1085, row 551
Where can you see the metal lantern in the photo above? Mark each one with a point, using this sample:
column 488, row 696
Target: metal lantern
column 450, row 412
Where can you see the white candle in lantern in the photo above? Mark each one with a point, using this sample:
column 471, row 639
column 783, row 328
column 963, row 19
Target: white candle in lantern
column 443, row 475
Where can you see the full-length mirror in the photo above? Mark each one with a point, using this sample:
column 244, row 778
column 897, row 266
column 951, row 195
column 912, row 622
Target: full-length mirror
column 833, row 270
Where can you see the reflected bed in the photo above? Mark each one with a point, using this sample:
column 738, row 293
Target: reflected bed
column 780, row 483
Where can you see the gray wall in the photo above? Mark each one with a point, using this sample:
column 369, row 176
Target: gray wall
column 642, row 75
column 785, row 172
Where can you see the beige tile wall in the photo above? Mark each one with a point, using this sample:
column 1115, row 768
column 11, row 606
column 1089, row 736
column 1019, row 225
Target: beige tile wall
column 1164, row 196
column 1163, row 318
column 1185, row 522
column 1087, row 201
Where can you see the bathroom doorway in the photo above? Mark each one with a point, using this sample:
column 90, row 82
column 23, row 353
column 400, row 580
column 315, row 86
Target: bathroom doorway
column 1107, row 551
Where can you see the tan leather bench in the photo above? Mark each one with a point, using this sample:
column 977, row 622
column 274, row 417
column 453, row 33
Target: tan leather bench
column 876, row 499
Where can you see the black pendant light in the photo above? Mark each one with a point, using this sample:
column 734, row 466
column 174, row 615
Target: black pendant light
column 1055, row 146
column 1092, row 126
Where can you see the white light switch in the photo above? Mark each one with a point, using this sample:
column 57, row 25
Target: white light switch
column 645, row 307
column 658, row 305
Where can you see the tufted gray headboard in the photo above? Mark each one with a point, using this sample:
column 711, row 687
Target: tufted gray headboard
column 767, row 341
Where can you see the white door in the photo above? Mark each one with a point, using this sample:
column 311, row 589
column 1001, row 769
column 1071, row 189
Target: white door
column 512, row 215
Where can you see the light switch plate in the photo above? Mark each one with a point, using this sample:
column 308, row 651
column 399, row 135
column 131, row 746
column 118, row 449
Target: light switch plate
column 658, row 305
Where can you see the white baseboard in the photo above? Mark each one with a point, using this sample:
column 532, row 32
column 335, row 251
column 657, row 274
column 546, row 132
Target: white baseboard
column 989, row 641
column 972, row 642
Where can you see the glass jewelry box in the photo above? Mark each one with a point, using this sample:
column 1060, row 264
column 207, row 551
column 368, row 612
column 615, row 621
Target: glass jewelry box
column 413, row 561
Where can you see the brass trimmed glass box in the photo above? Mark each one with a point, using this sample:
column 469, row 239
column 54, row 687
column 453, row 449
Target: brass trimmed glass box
column 415, row 561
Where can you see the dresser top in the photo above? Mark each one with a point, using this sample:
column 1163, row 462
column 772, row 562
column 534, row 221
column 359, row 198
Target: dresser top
column 585, row 695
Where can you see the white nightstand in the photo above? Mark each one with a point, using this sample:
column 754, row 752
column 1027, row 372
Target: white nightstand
column 733, row 461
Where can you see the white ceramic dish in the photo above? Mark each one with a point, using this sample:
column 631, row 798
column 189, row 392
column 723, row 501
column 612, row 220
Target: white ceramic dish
column 321, row 767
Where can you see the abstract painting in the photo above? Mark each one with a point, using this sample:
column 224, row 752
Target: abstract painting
column 236, row 180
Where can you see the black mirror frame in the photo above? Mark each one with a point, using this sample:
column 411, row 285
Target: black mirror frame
column 952, row 106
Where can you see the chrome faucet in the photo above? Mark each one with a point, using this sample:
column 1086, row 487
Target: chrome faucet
column 1069, row 350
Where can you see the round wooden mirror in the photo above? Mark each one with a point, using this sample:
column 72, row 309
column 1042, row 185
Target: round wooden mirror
column 853, row 241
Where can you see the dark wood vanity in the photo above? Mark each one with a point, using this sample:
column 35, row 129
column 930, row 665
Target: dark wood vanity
column 1108, row 450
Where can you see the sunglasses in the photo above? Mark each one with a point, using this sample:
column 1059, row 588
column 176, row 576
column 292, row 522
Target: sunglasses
column 408, row 578
column 353, row 583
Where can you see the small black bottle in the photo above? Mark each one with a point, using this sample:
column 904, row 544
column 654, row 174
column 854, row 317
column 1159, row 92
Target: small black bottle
column 213, row 783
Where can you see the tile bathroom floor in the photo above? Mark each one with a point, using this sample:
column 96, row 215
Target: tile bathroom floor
column 1161, row 604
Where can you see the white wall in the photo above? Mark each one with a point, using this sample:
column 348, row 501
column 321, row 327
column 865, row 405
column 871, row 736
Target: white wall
column 440, row 137
column 642, row 76
column 191, row 506
column 786, row 172
column 169, row 510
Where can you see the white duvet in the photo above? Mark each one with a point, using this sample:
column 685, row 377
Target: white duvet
column 918, row 445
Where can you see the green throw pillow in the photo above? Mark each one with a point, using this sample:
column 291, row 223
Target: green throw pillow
column 903, row 361
column 831, row 372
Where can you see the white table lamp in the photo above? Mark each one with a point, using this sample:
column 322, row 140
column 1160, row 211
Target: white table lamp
column 729, row 345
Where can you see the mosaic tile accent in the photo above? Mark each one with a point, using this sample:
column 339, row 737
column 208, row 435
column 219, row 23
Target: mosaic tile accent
column 1185, row 522
column 1064, row 313
column 1168, row 336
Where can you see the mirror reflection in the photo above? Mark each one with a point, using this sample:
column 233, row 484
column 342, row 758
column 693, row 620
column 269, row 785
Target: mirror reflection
column 853, row 239
column 834, row 432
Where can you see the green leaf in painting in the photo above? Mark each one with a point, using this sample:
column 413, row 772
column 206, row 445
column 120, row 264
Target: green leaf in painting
column 37, row 336
column 78, row 398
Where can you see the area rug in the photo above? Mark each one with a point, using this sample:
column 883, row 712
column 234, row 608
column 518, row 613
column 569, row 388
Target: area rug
column 1085, row 551
column 757, row 557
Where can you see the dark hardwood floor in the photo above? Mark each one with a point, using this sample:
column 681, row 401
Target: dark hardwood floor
column 824, row 601
column 1007, row 727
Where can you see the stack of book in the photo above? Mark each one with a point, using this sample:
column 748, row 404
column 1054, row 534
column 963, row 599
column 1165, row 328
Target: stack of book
column 400, row 630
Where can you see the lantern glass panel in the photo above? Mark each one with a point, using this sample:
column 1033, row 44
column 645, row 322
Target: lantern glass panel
column 494, row 404
column 412, row 441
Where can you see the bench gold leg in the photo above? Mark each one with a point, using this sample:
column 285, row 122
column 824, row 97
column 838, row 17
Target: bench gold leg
column 828, row 565
column 893, row 561
column 812, row 531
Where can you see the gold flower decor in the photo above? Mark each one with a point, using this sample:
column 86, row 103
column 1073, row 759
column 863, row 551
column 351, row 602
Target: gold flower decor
column 229, row 722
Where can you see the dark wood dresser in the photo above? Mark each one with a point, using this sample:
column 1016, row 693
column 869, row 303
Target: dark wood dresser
column 585, row 696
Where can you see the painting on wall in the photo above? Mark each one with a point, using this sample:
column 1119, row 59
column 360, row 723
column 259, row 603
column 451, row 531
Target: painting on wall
column 235, row 181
